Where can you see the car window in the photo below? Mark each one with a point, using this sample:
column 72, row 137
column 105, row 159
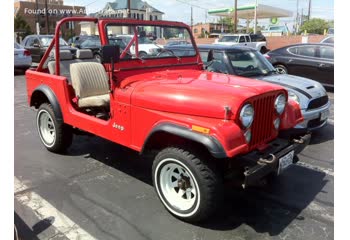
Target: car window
column 229, row 39
column 204, row 56
column 218, row 64
column 241, row 39
column 328, row 40
column 247, row 38
column 29, row 42
column 327, row 52
column 17, row 46
column 308, row 51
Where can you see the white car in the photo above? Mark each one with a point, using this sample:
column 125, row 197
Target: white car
column 22, row 57
column 146, row 46
column 255, row 41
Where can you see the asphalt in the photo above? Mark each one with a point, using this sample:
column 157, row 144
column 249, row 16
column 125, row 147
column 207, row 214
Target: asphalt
column 106, row 190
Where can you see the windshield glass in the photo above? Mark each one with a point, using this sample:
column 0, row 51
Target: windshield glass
column 249, row 63
column 150, row 41
column 45, row 41
column 229, row 39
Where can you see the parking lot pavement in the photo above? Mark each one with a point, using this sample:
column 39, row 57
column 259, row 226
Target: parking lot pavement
column 99, row 190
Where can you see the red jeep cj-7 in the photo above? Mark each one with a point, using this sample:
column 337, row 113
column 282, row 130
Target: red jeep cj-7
column 200, row 127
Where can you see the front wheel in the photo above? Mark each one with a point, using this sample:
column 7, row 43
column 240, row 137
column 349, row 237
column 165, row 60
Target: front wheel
column 54, row 134
column 281, row 69
column 188, row 186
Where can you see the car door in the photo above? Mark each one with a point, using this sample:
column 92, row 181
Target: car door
column 325, row 67
column 242, row 41
column 302, row 61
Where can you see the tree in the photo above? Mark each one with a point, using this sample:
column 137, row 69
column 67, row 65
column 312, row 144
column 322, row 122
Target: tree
column 315, row 25
column 21, row 27
column 227, row 21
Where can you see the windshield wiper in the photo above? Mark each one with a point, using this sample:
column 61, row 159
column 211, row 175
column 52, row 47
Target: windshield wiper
column 270, row 72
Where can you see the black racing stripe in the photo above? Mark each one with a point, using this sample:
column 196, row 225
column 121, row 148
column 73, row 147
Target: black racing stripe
column 296, row 89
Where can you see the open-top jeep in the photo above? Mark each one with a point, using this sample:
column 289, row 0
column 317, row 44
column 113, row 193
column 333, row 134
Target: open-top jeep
column 200, row 127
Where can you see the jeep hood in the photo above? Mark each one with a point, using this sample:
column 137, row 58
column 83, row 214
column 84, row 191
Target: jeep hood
column 193, row 92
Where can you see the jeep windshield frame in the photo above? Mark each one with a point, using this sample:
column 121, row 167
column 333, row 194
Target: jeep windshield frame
column 102, row 26
column 138, row 34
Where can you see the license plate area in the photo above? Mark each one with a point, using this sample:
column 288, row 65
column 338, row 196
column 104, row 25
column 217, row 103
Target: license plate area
column 285, row 162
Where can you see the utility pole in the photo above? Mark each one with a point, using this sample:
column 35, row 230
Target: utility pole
column 235, row 26
column 309, row 11
column 297, row 19
column 255, row 16
column 191, row 18
column 129, row 8
column 37, row 25
column 47, row 18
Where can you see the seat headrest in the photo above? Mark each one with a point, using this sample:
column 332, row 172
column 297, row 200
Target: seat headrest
column 84, row 54
column 64, row 55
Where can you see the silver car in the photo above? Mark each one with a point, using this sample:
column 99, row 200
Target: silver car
column 22, row 57
column 246, row 62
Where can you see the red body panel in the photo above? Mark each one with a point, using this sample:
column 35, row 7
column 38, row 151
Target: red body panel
column 149, row 94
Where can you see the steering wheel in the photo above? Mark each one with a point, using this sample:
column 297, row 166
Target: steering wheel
column 250, row 67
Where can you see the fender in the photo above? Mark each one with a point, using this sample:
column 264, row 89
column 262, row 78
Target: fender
column 210, row 142
column 50, row 95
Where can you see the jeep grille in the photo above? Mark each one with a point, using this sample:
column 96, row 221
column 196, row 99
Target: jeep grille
column 262, row 127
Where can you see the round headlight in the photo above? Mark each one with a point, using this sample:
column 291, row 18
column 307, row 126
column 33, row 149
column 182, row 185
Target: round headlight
column 247, row 115
column 277, row 123
column 248, row 135
column 280, row 104
column 293, row 96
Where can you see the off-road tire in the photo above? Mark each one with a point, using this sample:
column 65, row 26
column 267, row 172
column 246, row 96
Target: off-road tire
column 207, row 181
column 63, row 135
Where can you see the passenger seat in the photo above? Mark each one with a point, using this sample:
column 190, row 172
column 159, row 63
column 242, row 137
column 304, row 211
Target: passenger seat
column 90, row 83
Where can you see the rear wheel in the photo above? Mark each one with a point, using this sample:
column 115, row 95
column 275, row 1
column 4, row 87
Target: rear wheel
column 54, row 134
column 281, row 69
column 188, row 186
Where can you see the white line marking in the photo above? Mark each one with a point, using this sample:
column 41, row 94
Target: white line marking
column 43, row 209
column 327, row 171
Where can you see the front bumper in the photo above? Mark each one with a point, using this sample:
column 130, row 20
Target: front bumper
column 312, row 118
column 258, row 164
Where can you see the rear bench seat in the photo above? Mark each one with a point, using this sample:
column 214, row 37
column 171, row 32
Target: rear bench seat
column 66, row 59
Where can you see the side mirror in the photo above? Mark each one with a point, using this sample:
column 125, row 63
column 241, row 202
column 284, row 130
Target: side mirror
column 110, row 53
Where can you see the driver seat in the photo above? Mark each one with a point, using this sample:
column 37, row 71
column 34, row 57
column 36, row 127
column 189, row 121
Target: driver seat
column 90, row 83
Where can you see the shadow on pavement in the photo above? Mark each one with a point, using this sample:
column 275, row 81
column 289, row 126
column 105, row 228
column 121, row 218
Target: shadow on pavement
column 268, row 209
column 23, row 230
column 322, row 135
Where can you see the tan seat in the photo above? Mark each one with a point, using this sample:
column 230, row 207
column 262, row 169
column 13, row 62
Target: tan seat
column 90, row 82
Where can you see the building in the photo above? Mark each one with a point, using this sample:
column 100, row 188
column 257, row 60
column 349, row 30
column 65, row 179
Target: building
column 205, row 29
column 34, row 11
column 119, row 9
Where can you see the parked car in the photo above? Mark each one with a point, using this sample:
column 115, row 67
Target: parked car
column 273, row 30
column 247, row 62
column 37, row 45
column 255, row 41
column 177, row 42
column 310, row 60
column 146, row 47
column 329, row 40
column 22, row 57
column 94, row 44
column 198, row 127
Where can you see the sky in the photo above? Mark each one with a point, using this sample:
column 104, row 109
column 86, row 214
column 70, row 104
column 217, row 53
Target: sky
column 180, row 10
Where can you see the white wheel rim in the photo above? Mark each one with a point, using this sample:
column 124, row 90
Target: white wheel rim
column 178, row 189
column 46, row 127
column 280, row 70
